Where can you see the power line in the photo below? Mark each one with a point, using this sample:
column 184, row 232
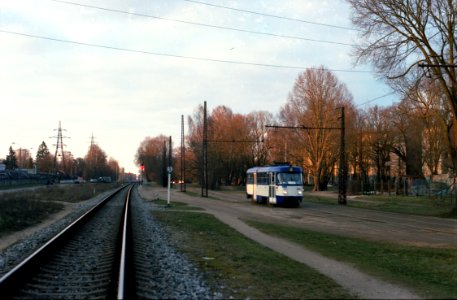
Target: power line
column 272, row 16
column 205, row 25
column 175, row 55
column 236, row 141
column 374, row 99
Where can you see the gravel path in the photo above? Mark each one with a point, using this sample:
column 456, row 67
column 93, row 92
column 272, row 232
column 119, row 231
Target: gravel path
column 357, row 282
column 362, row 285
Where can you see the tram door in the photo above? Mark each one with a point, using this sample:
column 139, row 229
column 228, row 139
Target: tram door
column 272, row 189
column 254, row 188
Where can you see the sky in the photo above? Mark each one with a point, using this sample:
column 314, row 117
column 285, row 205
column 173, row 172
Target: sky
column 126, row 70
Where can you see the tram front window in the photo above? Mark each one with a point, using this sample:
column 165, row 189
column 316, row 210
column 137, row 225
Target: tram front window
column 289, row 178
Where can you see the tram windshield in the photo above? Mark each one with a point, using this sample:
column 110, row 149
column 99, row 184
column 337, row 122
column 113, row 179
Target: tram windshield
column 289, row 178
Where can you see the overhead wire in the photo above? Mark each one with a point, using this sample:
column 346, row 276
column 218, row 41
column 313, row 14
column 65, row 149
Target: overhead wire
column 374, row 99
column 272, row 16
column 174, row 55
column 204, row 24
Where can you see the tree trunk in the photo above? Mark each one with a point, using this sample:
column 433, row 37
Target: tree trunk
column 413, row 143
column 452, row 137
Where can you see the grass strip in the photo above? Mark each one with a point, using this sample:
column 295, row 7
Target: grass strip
column 22, row 209
column 237, row 267
column 175, row 205
column 422, row 206
column 432, row 272
column 19, row 214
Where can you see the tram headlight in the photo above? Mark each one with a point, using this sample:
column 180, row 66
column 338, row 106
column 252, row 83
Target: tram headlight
column 300, row 191
column 284, row 192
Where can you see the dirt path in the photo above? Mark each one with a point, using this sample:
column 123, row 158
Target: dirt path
column 358, row 283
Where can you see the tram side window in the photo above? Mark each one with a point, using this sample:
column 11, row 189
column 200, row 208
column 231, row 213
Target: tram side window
column 262, row 178
column 250, row 179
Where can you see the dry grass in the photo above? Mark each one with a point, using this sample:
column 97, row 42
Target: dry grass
column 19, row 210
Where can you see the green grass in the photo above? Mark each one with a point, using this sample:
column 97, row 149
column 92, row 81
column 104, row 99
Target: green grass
column 192, row 193
column 237, row 267
column 423, row 205
column 431, row 272
column 175, row 205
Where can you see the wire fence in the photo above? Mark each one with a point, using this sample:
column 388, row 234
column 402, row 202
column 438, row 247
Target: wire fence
column 19, row 178
column 439, row 186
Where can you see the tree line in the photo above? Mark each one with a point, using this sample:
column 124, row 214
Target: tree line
column 414, row 131
column 95, row 163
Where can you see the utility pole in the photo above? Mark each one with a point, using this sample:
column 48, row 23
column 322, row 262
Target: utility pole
column 204, row 178
column 170, row 147
column 183, row 157
column 169, row 170
column 342, row 171
column 164, row 164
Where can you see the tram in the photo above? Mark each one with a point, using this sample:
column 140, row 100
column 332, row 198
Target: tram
column 277, row 185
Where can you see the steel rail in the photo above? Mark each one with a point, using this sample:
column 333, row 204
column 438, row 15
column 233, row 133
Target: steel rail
column 122, row 284
column 12, row 280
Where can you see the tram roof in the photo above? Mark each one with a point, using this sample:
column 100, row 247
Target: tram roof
column 283, row 168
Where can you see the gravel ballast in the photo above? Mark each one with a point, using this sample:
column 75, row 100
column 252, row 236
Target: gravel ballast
column 162, row 272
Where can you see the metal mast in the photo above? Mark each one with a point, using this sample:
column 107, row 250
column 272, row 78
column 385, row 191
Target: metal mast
column 342, row 172
column 183, row 157
column 205, row 154
column 59, row 147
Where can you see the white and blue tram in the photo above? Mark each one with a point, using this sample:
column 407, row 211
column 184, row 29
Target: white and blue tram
column 278, row 185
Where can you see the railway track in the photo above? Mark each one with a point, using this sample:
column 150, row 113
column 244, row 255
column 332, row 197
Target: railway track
column 90, row 258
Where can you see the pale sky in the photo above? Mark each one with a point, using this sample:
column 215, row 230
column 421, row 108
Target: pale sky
column 126, row 75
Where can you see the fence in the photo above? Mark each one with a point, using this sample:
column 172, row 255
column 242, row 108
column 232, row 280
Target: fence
column 444, row 186
column 10, row 179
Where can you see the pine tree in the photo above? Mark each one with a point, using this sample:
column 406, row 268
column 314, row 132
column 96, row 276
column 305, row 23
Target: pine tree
column 43, row 158
column 11, row 160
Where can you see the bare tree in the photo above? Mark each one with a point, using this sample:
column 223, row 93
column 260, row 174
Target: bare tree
column 259, row 151
column 408, row 145
column 313, row 103
column 380, row 138
column 96, row 162
column 114, row 168
column 399, row 35
column 430, row 106
column 150, row 154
